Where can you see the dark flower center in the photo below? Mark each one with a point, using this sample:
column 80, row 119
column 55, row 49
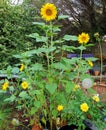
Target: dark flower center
column 48, row 12
column 83, row 38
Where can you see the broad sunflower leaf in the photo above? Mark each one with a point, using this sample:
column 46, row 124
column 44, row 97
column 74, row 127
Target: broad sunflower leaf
column 51, row 87
column 70, row 38
column 63, row 17
column 39, row 23
column 24, row 95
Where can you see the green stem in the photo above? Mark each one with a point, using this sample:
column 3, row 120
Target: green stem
column 47, row 56
column 78, row 75
column 101, row 60
column 51, row 40
column 81, row 54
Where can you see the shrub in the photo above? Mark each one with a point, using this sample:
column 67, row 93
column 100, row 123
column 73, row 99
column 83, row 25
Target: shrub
column 14, row 22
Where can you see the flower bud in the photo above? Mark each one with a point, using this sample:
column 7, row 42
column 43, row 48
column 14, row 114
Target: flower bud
column 15, row 122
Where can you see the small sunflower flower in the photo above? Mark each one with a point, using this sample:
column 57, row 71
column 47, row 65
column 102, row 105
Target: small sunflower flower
column 96, row 98
column 22, row 67
column 84, row 107
column 59, row 108
column 24, row 85
column 77, row 86
column 83, row 38
column 5, row 86
column 90, row 63
column 48, row 12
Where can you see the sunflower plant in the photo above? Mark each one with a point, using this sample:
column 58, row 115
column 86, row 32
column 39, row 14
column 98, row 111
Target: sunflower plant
column 49, row 91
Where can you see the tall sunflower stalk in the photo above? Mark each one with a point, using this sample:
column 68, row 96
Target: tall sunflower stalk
column 49, row 13
column 83, row 39
column 97, row 36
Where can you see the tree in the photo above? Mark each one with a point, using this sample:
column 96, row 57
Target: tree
column 85, row 15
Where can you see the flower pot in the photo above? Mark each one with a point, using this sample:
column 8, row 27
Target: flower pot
column 36, row 127
column 96, row 72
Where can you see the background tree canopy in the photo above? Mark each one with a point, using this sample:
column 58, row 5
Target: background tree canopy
column 85, row 15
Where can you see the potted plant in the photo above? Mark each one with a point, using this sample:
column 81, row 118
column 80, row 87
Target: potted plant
column 48, row 92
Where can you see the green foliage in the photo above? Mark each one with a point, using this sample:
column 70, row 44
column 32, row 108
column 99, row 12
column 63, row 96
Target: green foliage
column 53, row 83
column 43, row 86
column 15, row 24
column 4, row 113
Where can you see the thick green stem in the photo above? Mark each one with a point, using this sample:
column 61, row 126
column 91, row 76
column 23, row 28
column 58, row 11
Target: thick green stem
column 51, row 40
column 81, row 54
column 47, row 55
column 78, row 74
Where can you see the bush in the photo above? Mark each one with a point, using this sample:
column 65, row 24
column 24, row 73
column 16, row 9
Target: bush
column 15, row 24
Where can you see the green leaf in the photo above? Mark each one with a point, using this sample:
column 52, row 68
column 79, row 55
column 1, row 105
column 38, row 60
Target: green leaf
column 70, row 37
column 10, row 99
column 59, row 66
column 27, row 54
column 51, row 87
column 69, row 86
column 51, row 49
column 54, row 113
column 89, row 45
column 33, row 110
column 69, row 61
column 4, row 113
column 37, row 67
column 61, row 98
column 41, row 39
column 39, row 23
column 83, row 76
column 43, row 120
column 18, row 56
column 37, row 104
column 56, row 29
column 24, row 95
column 46, row 50
column 91, row 59
column 69, row 48
column 19, row 107
column 32, row 52
column 63, row 17
column 33, row 35
column 15, row 70
column 58, row 41
column 81, row 47
column 11, row 88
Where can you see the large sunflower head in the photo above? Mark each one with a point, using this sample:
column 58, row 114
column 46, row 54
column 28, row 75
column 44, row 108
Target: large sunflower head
column 48, row 11
column 83, row 38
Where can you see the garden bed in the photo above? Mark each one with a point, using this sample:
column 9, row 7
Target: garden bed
column 100, row 88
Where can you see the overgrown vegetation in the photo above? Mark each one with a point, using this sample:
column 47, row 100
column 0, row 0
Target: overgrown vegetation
column 15, row 24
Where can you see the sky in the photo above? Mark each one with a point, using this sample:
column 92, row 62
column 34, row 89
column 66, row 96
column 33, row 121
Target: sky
column 16, row 2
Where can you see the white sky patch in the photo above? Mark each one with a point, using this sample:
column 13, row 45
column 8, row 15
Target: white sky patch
column 16, row 2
